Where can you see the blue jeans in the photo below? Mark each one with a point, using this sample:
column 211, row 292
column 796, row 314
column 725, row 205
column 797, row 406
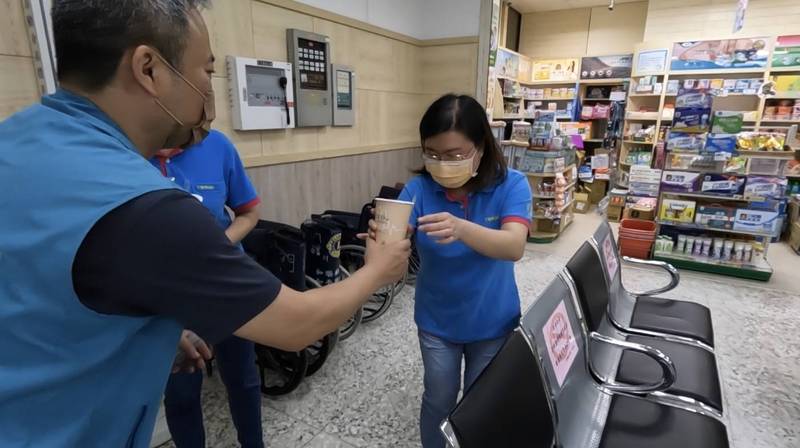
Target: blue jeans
column 442, row 363
column 237, row 365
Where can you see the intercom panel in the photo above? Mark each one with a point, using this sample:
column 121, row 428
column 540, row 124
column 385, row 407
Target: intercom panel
column 261, row 94
column 310, row 55
column 344, row 95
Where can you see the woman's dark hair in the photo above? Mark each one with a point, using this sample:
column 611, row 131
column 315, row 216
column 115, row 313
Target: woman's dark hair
column 463, row 114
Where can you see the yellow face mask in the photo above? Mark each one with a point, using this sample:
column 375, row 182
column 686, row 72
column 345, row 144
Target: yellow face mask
column 453, row 174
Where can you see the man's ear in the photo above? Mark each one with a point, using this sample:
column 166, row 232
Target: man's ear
column 149, row 70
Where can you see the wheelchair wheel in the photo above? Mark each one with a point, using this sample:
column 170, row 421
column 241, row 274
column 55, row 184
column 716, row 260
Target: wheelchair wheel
column 281, row 372
column 349, row 327
column 352, row 259
column 319, row 351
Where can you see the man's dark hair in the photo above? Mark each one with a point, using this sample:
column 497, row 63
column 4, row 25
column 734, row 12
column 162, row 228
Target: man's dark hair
column 92, row 35
column 464, row 114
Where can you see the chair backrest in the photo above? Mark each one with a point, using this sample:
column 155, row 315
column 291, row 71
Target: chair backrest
column 508, row 405
column 558, row 334
column 587, row 269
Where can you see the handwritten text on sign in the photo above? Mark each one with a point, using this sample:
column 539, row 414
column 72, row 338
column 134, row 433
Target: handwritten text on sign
column 560, row 341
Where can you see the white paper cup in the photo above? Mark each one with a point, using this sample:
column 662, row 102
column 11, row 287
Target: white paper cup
column 392, row 218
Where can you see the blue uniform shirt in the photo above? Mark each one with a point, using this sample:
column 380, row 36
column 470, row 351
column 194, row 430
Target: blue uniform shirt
column 463, row 296
column 211, row 170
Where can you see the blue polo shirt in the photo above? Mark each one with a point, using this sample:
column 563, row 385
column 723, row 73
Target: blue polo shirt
column 213, row 173
column 463, row 296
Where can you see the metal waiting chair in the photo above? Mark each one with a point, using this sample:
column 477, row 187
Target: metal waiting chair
column 642, row 313
column 545, row 389
column 697, row 378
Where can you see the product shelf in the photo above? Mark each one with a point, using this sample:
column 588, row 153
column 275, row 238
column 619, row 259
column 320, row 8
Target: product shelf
column 715, row 197
column 693, row 226
column 760, row 270
column 552, row 174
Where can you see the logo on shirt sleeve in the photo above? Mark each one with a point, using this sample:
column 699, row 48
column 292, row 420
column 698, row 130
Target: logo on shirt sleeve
column 492, row 218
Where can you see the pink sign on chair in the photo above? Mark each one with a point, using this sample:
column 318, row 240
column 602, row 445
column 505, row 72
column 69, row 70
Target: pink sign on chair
column 611, row 258
column 560, row 341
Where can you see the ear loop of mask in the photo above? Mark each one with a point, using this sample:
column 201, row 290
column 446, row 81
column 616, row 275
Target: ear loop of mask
column 180, row 75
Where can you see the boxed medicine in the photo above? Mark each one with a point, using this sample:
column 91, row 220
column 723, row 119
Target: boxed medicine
column 677, row 210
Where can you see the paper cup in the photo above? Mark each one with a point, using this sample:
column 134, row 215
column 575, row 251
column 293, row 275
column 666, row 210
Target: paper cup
column 392, row 218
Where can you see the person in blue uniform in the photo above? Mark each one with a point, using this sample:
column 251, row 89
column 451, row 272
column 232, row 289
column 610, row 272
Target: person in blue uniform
column 104, row 261
column 214, row 174
column 472, row 216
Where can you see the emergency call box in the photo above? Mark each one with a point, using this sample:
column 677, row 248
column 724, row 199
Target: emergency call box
column 261, row 94
column 310, row 56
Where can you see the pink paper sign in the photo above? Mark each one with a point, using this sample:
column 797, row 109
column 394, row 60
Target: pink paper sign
column 611, row 258
column 560, row 341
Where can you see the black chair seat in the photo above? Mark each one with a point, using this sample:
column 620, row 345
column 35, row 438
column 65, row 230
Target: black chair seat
column 676, row 317
column 636, row 423
column 697, row 374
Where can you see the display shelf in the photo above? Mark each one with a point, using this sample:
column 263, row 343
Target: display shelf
column 548, row 83
column 602, row 82
column 597, row 99
column 509, row 117
column 553, row 196
column 724, row 71
column 784, row 97
column 594, row 140
column 792, row 121
column 635, row 142
column 784, row 69
column 550, row 99
column 768, row 154
column 512, row 97
column 760, row 270
column 540, row 237
column 552, row 174
column 693, row 226
column 645, row 95
column 715, row 197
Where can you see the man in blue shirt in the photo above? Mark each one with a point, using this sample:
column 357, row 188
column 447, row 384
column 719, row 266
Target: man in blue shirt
column 92, row 303
column 214, row 174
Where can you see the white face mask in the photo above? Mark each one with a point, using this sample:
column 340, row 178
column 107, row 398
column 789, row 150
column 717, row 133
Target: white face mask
column 453, row 174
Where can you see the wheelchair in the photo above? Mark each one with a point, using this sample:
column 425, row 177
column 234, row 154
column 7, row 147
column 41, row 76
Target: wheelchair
column 282, row 250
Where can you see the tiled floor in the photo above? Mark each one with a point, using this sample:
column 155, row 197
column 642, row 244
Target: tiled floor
column 367, row 395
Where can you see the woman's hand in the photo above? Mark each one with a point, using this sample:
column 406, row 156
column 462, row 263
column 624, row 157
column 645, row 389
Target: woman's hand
column 443, row 227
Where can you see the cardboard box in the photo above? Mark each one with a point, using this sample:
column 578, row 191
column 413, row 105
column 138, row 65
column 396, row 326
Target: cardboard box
column 715, row 216
column 677, row 210
column 597, row 190
column 755, row 220
column 794, row 237
column 582, row 203
column 614, row 213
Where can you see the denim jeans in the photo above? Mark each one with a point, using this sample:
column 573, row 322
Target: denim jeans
column 441, row 360
column 235, row 359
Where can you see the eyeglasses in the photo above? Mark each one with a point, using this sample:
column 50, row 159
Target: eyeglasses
column 453, row 156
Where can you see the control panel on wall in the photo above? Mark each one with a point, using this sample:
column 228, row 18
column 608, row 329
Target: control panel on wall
column 261, row 94
column 310, row 54
column 344, row 95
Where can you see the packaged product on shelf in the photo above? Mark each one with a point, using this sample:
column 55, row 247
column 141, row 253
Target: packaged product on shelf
column 760, row 141
column 742, row 84
column 722, row 184
column 747, row 253
column 766, row 166
column 521, row 131
column 718, row 248
column 738, row 250
column 706, row 251
column 677, row 210
column 680, row 181
column 735, row 164
column 714, row 215
column 685, row 141
column 692, row 119
column 787, row 84
column 704, row 84
column 717, row 84
column 765, row 188
column 755, row 220
column 727, row 250
column 673, row 85
column 690, row 242
column 600, row 111
column 721, row 143
column 694, row 98
column 729, row 85
column 727, row 122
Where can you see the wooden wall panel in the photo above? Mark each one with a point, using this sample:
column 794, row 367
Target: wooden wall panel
column 269, row 29
column 555, row 34
column 447, row 69
column 617, row 31
column 291, row 192
column 676, row 20
column 18, row 85
column 14, row 36
column 583, row 32
column 231, row 31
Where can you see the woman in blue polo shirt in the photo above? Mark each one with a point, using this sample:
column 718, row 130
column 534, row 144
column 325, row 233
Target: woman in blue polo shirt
column 471, row 216
column 213, row 173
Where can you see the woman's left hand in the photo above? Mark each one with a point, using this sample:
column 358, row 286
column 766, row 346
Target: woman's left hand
column 443, row 227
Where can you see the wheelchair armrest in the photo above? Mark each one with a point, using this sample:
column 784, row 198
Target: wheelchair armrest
column 449, row 434
column 675, row 277
column 667, row 367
